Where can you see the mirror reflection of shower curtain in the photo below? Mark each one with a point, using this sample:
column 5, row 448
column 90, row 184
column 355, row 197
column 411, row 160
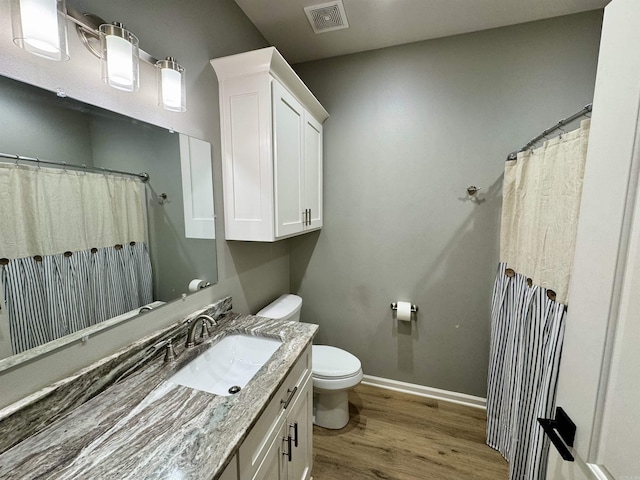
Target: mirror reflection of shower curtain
column 541, row 202
column 72, row 250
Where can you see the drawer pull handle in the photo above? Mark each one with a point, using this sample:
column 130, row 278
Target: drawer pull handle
column 294, row 425
column 288, row 452
column 288, row 400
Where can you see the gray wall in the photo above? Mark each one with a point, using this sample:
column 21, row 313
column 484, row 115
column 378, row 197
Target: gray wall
column 410, row 128
column 34, row 126
column 195, row 33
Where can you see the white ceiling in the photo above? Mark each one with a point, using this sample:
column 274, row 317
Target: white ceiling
column 383, row 23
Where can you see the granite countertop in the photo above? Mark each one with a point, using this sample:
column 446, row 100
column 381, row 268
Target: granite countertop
column 145, row 427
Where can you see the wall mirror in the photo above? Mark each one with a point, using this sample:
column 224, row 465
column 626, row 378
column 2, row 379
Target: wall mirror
column 38, row 123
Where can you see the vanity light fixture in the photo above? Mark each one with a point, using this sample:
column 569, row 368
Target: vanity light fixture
column 171, row 85
column 40, row 27
column 120, row 54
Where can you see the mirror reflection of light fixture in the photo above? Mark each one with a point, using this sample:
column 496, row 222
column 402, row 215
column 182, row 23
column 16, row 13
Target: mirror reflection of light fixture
column 120, row 53
column 171, row 85
column 40, row 27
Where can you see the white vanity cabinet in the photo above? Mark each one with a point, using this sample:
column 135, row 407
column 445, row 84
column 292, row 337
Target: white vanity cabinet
column 231, row 472
column 279, row 446
column 271, row 131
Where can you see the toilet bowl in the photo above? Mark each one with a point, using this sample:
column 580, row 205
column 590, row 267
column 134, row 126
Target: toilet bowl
column 334, row 371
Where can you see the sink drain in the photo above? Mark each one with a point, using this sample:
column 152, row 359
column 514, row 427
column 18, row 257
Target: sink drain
column 234, row 389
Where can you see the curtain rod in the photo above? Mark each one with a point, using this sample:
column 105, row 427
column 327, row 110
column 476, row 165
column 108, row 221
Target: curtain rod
column 557, row 126
column 20, row 158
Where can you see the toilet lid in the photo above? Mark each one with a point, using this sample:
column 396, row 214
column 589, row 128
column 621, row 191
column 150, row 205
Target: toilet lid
column 332, row 362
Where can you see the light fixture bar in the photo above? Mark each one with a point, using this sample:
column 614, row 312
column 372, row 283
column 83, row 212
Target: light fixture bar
column 90, row 24
column 119, row 52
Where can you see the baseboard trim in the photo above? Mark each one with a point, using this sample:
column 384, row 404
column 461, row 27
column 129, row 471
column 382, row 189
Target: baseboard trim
column 429, row 392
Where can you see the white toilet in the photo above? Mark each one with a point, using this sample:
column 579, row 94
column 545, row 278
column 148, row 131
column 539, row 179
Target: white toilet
column 334, row 371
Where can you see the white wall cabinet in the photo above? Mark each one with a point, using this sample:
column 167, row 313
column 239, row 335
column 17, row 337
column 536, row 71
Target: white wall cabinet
column 279, row 446
column 271, row 126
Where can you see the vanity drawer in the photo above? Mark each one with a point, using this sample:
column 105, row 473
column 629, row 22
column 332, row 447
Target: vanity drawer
column 256, row 444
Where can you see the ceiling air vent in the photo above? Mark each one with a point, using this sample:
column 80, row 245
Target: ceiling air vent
column 326, row 17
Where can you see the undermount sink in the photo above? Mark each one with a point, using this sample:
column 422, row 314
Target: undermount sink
column 227, row 364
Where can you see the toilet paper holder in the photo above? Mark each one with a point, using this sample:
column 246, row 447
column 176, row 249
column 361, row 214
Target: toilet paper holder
column 414, row 308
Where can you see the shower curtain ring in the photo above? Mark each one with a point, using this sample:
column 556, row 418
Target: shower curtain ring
column 38, row 163
column 17, row 160
column 562, row 130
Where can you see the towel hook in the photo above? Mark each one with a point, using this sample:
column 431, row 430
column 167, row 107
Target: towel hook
column 472, row 190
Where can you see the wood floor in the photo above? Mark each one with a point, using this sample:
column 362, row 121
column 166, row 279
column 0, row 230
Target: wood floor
column 396, row 436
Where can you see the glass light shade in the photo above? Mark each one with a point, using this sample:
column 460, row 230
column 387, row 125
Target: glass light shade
column 120, row 57
column 40, row 27
column 171, row 85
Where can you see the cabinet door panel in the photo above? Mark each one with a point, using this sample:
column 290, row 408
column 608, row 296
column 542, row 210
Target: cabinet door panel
column 231, row 472
column 300, row 415
column 246, row 163
column 274, row 465
column 288, row 123
column 313, row 170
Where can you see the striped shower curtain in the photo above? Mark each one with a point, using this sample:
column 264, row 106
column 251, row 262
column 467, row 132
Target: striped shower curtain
column 541, row 203
column 72, row 251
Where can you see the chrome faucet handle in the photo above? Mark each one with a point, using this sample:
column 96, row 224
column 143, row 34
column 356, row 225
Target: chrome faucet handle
column 170, row 355
column 205, row 333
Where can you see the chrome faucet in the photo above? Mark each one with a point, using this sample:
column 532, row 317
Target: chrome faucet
column 145, row 308
column 206, row 322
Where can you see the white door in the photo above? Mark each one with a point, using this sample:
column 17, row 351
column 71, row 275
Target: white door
column 313, row 171
column 288, row 127
column 599, row 381
column 300, row 427
column 247, row 174
column 274, row 464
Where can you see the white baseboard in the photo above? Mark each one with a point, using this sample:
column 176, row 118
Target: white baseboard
column 422, row 391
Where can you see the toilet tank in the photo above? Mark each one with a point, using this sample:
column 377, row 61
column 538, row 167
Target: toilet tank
column 286, row 307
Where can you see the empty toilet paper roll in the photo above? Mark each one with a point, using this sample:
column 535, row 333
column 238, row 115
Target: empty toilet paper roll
column 404, row 311
column 197, row 284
